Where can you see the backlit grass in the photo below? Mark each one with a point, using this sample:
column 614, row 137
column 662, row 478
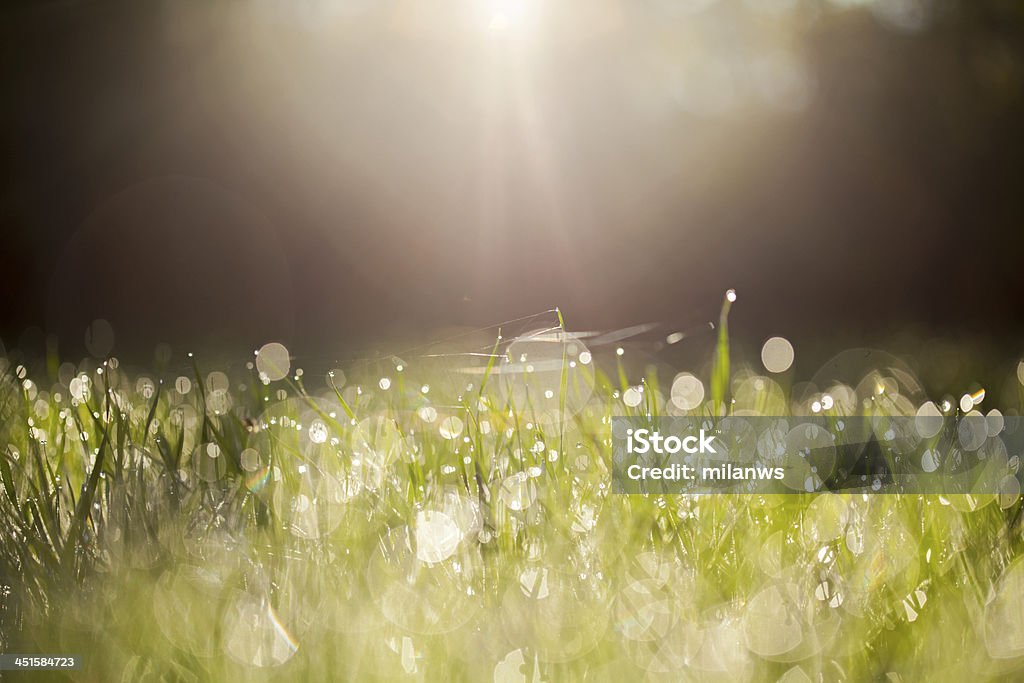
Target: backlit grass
column 447, row 515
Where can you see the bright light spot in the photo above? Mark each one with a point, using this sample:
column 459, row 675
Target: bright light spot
column 929, row 460
column 217, row 381
column 619, row 351
column 451, row 427
column 585, row 359
column 250, row 460
column 501, row 16
column 512, row 666
column 730, row 296
column 145, row 387
column 632, row 397
column 777, row 354
column 995, row 422
column 928, row 421
column 385, row 383
column 687, row 391
column 437, row 536
column 517, row 492
column 273, row 362
column 318, row 432
column 79, row 388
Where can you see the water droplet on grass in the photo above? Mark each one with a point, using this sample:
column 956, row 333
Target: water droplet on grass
column 318, row 432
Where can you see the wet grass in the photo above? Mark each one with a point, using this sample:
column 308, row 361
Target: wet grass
column 447, row 515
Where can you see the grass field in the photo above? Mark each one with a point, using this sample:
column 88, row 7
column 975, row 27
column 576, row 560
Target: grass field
column 447, row 515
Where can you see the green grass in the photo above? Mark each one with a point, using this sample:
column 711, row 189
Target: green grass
column 448, row 516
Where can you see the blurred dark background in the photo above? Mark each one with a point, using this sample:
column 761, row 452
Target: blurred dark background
column 330, row 173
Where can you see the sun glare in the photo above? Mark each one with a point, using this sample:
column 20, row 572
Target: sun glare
column 503, row 16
